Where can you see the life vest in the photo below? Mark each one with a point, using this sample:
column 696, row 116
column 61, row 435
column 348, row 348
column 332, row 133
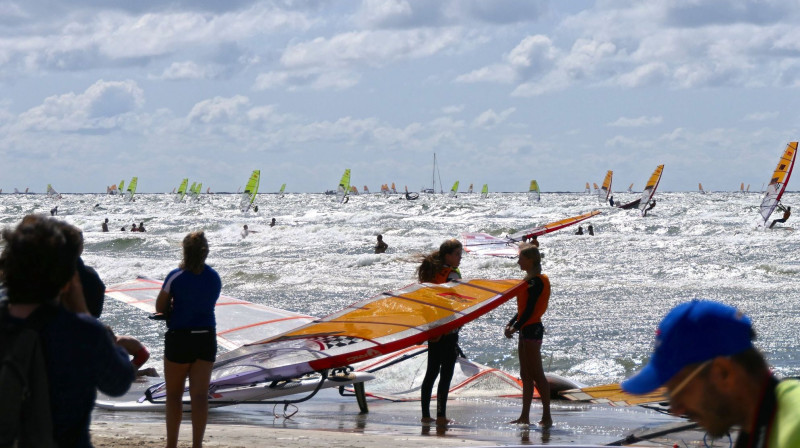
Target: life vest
column 443, row 275
column 541, row 303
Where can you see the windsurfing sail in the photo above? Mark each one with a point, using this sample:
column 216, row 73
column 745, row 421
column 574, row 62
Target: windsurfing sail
column 596, row 189
column 777, row 183
column 741, row 187
column 376, row 326
column 485, row 244
column 454, row 190
column 198, row 189
column 533, row 192
column 588, row 190
column 281, row 191
column 112, row 189
column 470, row 189
column 614, row 395
column 748, row 188
column 52, row 193
column 182, row 190
column 121, row 186
column 353, row 189
column 394, row 190
column 248, row 196
column 485, row 191
column 605, row 190
column 131, row 191
column 366, row 190
column 650, row 189
column 238, row 321
column 700, row 187
column 630, row 188
column 344, row 186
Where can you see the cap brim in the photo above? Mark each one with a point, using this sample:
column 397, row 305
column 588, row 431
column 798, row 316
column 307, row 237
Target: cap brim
column 646, row 381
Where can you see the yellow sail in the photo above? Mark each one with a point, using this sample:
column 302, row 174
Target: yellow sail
column 605, row 191
column 614, row 395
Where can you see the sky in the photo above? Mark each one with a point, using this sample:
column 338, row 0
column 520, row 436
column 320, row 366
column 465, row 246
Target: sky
column 502, row 91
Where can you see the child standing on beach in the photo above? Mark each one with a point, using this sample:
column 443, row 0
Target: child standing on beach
column 440, row 266
column 531, row 305
column 188, row 296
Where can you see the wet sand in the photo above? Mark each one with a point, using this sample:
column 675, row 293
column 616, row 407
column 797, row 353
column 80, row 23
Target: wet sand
column 331, row 420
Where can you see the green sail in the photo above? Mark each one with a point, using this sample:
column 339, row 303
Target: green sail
column 344, row 186
column 250, row 191
column 132, row 188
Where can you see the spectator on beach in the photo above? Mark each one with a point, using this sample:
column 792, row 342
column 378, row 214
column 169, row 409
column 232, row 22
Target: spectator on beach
column 381, row 246
column 713, row 374
column 590, row 229
column 580, row 231
column 188, row 297
column 787, row 212
column 440, row 266
column 531, row 305
column 105, row 225
column 38, row 268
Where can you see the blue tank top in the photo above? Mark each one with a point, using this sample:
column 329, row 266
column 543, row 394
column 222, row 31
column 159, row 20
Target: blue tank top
column 194, row 297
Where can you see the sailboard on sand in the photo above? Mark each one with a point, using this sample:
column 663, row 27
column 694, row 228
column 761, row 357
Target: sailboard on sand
column 777, row 184
column 238, row 322
column 485, row 244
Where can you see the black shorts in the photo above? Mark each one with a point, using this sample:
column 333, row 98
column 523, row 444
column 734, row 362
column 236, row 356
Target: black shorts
column 187, row 346
column 532, row 332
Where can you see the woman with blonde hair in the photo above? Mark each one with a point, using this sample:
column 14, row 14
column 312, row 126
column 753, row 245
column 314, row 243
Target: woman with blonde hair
column 188, row 297
column 531, row 305
column 440, row 266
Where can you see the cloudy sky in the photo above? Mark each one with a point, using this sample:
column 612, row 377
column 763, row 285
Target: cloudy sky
column 502, row 91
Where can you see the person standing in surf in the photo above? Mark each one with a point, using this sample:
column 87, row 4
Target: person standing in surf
column 381, row 246
column 440, row 266
column 531, row 305
column 188, row 297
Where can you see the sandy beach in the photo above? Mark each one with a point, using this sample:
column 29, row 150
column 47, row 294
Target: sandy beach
column 129, row 435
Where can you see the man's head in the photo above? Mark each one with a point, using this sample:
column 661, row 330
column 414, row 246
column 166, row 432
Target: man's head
column 39, row 258
column 692, row 333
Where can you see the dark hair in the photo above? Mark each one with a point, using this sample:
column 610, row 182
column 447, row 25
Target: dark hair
column 39, row 258
column 195, row 251
column 432, row 263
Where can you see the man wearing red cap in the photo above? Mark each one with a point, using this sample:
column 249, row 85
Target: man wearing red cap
column 705, row 358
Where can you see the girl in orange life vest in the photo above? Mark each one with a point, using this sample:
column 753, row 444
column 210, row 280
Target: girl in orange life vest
column 440, row 266
column 531, row 305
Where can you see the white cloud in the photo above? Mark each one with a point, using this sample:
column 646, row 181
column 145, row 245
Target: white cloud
column 453, row 109
column 104, row 105
column 637, row 122
column 185, row 70
column 489, row 118
column 218, row 110
column 762, row 116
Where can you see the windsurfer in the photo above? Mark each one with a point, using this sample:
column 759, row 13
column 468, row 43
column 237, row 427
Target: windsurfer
column 611, row 201
column 189, row 294
column 722, row 382
column 787, row 212
column 649, row 207
column 440, row 266
column 381, row 246
column 531, row 305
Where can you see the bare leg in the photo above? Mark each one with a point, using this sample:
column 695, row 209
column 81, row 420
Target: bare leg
column 527, row 383
column 175, row 378
column 541, row 381
column 199, row 378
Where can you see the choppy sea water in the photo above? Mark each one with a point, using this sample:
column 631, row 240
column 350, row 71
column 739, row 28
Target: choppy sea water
column 608, row 291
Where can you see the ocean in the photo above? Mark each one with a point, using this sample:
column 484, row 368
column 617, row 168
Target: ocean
column 609, row 291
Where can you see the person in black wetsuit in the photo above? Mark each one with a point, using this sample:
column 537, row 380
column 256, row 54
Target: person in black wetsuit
column 787, row 212
column 440, row 266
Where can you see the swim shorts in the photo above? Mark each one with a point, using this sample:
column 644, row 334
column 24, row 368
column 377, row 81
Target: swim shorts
column 187, row 346
column 532, row 332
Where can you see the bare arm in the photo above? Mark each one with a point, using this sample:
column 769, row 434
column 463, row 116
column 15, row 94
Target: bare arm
column 163, row 301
